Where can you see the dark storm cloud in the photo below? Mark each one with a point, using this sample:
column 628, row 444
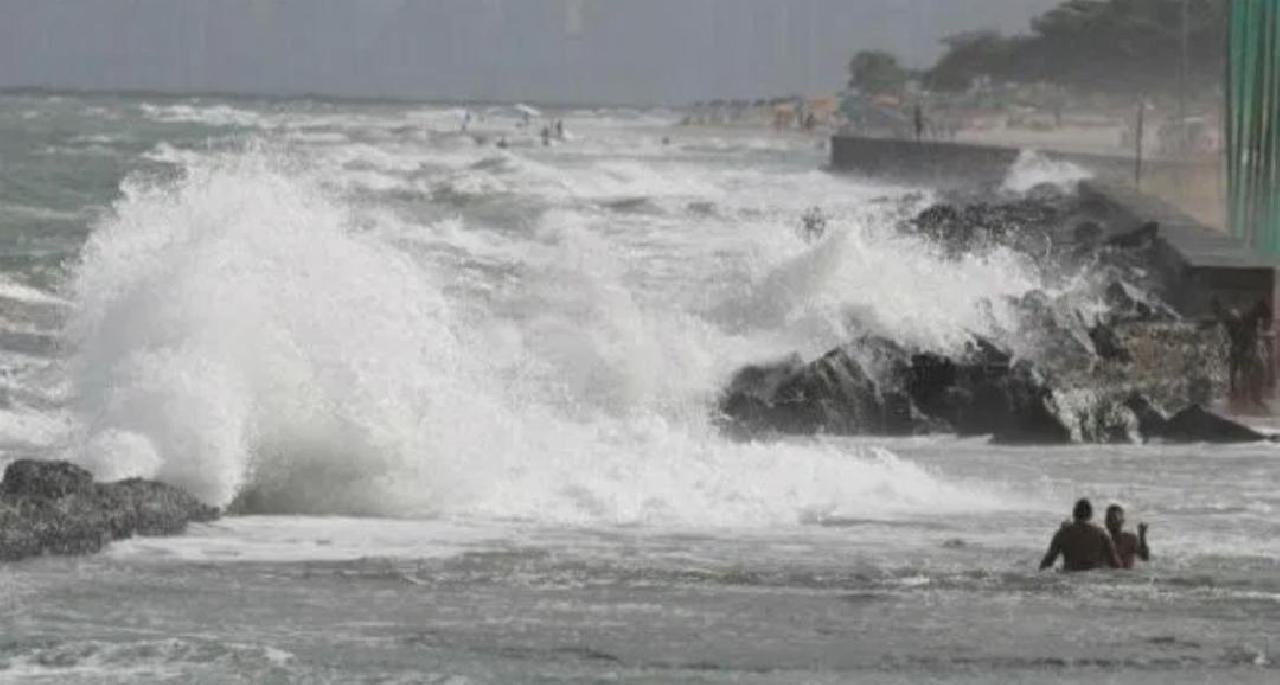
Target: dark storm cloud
column 550, row 50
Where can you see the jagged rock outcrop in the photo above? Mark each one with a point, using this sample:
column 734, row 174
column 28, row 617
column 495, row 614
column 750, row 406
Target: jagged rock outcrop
column 49, row 507
column 1075, row 374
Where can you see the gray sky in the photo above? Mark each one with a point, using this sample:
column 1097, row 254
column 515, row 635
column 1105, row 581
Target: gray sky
column 545, row 50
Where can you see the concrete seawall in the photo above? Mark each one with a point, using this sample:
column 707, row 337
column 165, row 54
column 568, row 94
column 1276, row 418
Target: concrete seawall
column 965, row 163
column 938, row 163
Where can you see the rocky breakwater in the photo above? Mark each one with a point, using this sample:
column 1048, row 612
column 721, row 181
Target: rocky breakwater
column 51, row 507
column 1095, row 357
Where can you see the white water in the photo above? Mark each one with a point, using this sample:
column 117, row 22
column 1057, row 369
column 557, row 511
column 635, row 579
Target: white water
column 345, row 310
column 1034, row 168
column 269, row 322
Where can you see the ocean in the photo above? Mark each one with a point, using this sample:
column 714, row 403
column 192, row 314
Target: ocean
column 459, row 400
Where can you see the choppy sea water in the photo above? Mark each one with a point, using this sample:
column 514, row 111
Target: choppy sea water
column 461, row 397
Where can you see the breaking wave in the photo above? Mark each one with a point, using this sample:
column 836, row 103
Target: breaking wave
column 244, row 332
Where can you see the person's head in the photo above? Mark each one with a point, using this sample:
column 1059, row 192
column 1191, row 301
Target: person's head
column 1083, row 510
column 1115, row 517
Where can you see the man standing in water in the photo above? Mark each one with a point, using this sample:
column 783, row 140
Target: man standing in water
column 1083, row 546
column 1129, row 547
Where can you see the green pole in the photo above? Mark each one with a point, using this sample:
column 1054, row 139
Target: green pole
column 1252, row 126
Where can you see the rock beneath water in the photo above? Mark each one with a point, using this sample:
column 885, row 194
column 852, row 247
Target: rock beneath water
column 56, row 508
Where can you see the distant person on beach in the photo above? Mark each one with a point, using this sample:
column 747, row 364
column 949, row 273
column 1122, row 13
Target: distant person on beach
column 1129, row 547
column 918, row 119
column 1082, row 545
column 813, row 225
column 1245, row 355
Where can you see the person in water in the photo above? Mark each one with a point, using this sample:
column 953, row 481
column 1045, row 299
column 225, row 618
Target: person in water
column 1129, row 547
column 1082, row 545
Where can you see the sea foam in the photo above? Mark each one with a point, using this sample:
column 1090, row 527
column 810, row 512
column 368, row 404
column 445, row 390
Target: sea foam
column 247, row 333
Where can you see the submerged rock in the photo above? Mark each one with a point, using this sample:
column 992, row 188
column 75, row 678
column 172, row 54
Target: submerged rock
column 56, row 508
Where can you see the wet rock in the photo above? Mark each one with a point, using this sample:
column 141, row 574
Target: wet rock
column 56, row 508
column 1151, row 421
column 1045, row 193
column 1128, row 303
column 1143, row 236
column 1087, row 234
column 1062, row 371
column 1191, row 425
column 1107, row 345
column 851, row 390
column 53, row 479
column 1194, row 424
column 1031, row 416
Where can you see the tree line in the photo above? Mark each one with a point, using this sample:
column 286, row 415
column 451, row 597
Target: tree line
column 1117, row 46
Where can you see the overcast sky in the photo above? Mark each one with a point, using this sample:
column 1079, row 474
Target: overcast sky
column 629, row 51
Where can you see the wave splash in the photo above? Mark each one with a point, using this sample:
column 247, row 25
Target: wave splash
column 244, row 334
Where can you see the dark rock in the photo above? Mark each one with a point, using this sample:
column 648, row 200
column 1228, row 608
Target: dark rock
column 1077, row 373
column 32, row 478
column 1194, row 424
column 56, row 508
column 852, row 390
column 1087, row 233
column 1031, row 418
column 1107, row 344
column 1151, row 423
column 152, row 508
column 1143, row 236
column 1127, row 303
column 1045, row 193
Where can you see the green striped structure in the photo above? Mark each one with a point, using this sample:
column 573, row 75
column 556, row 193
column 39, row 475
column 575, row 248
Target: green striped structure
column 1253, row 123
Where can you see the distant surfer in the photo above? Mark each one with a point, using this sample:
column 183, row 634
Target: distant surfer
column 1129, row 547
column 546, row 135
column 1082, row 545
